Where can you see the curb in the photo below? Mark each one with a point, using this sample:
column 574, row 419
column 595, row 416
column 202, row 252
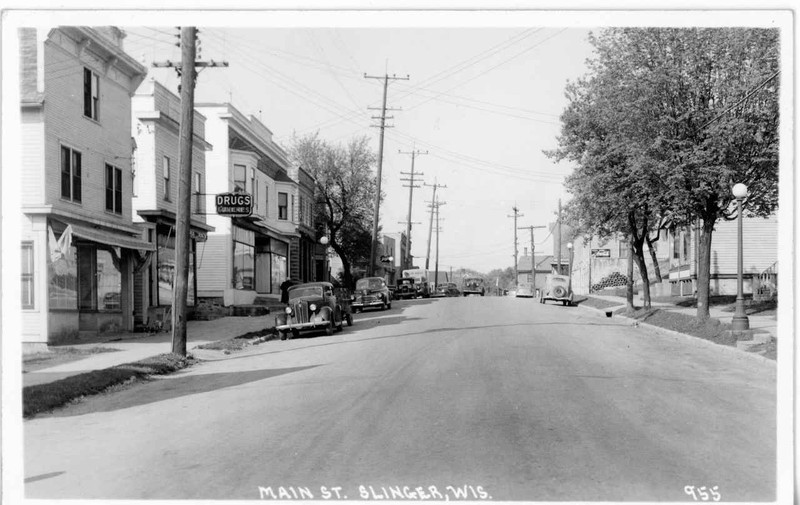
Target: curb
column 690, row 339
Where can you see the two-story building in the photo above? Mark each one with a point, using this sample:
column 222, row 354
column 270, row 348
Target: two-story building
column 155, row 179
column 402, row 254
column 759, row 257
column 79, row 244
column 306, row 254
column 245, row 257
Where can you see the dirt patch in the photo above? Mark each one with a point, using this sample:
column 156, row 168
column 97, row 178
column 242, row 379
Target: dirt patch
column 709, row 329
column 238, row 343
column 57, row 356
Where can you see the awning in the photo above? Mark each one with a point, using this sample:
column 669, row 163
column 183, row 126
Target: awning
column 111, row 238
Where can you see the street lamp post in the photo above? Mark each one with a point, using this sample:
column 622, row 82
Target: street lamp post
column 324, row 241
column 569, row 282
column 740, row 320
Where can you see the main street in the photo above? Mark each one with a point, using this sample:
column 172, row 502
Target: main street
column 482, row 398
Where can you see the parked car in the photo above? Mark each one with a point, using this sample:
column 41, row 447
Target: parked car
column 473, row 286
column 524, row 290
column 557, row 287
column 371, row 292
column 447, row 289
column 312, row 306
column 406, row 288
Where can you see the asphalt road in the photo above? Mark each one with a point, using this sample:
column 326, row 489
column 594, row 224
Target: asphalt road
column 476, row 398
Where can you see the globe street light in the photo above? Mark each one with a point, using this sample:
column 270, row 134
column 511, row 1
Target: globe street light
column 324, row 240
column 740, row 321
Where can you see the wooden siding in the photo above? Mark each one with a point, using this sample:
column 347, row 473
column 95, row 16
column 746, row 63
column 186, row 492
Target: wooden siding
column 32, row 158
column 214, row 265
column 759, row 245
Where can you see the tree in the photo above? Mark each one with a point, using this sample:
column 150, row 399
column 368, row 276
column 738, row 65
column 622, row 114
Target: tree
column 345, row 188
column 678, row 116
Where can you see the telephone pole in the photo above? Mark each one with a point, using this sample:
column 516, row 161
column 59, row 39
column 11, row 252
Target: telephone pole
column 558, row 239
column 435, row 185
column 411, row 180
column 376, row 214
column 516, row 251
column 436, row 205
column 186, row 70
column 533, row 257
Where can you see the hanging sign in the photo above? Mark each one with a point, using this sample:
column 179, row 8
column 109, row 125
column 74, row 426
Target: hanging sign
column 234, row 204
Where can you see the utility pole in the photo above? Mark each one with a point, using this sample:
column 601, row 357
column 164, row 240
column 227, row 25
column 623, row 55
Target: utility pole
column 516, row 252
column 186, row 70
column 436, row 205
column 376, row 214
column 558, row 239
column 533, row 257
column 411, row 180
column 435, row 185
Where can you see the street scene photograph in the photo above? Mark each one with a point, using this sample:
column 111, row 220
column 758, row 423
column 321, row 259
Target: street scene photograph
column 398, row 255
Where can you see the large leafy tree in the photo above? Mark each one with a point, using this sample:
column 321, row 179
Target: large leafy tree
column 695, row 111
column 344, row 194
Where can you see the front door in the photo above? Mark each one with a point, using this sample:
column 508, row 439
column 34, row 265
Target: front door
column 263, row 272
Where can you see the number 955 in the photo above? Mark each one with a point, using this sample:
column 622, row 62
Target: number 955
column 703, row 493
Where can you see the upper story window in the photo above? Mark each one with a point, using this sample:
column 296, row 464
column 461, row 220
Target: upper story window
column 239, row 178
column 91, row 93
column 113, row 189
column 70, row 174
column 283, row 206
column 166, row 173
column 266, row 200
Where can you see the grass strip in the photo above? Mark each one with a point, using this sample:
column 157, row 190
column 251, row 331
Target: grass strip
column 46, row 397
column 238, row 343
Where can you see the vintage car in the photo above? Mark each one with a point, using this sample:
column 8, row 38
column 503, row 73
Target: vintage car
column 312, row 306
column 473, row 286
column 371, row 292
column 447, row 289
column 406, row 288
column 557, row 287
column 524, row 290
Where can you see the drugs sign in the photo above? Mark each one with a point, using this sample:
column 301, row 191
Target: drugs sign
column 234, row 204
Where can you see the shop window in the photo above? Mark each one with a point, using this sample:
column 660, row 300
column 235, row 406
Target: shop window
column 283, row 206
column 99, row 279
column 62, row 272
column 113, row 189
column 91, row 93
column 243, row 266
column 28, row 301
column 70, row 174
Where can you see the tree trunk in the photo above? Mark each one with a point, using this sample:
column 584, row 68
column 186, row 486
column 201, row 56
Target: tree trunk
column 629, row 294
column 704, row 269
column 656, row 268
column 639, row 251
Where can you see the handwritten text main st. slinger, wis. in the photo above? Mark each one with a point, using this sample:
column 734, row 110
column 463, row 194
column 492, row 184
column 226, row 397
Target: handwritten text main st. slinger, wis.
column 368, row 492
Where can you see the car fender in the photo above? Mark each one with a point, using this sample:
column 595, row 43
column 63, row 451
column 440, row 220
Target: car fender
column 280, row 319
column 325, row 313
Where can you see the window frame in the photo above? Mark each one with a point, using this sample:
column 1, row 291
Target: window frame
column 236, row 180
column 72, row 176
column 28, row 278
column 283, row 210
column 113, row 189
column 166, row 174
column 91, row 94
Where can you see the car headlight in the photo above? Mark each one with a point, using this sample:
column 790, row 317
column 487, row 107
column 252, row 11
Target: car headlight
column 288, row 310
column 313, row 307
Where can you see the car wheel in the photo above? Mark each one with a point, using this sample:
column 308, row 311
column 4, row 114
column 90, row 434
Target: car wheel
column 295, row 333
column 329, row 328
column 349, row 318
column 559, row 292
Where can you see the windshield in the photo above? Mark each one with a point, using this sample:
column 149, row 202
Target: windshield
column 303, row 292
column 369, row 284
column 405, row 281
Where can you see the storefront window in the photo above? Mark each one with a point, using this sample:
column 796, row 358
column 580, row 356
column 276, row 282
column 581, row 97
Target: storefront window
column 62, row 274
column 99, row 278
column 27, row 275
column 279, row 271
column 243, row 266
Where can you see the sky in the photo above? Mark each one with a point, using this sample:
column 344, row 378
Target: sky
column 482, row 100
column 482, row 103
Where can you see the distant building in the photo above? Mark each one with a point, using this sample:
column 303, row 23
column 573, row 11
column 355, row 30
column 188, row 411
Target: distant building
column 80, row 247
column 401, row 253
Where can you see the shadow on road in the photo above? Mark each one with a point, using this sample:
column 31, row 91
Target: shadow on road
column 170, row 388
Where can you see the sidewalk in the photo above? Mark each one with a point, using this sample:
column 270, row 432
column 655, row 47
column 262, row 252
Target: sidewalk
column 763, row 326
column 136, row 346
